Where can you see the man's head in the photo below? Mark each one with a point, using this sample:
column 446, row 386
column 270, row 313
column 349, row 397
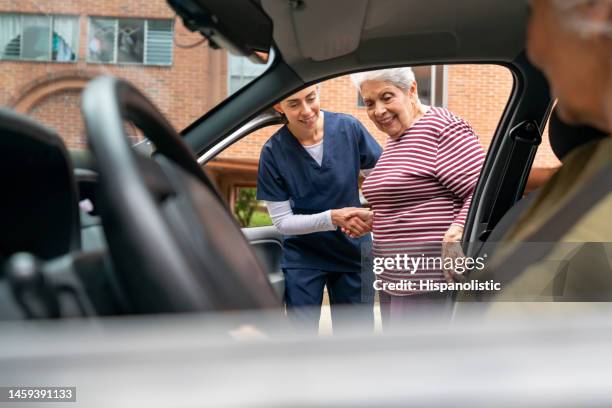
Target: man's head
column 571, row 42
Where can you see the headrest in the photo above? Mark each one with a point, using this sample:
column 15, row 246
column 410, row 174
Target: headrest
column 564, row 138
column 39, row 206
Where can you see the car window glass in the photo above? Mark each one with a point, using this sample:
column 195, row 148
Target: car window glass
column 475, row 92
column 234, row 171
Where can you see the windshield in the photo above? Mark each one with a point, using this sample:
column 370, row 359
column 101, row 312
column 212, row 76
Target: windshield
column 50, row 50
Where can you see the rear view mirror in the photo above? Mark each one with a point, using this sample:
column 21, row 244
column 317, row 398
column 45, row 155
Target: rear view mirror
column 240, row 26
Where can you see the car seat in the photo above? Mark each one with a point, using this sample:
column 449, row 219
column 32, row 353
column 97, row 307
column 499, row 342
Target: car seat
column 563, row 139
column 40, row 199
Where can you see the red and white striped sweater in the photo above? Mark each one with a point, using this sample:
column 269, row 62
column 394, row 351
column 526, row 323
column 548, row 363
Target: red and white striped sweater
column 422, row 183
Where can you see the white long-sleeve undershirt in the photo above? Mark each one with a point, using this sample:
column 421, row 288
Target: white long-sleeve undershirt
column 289, row 223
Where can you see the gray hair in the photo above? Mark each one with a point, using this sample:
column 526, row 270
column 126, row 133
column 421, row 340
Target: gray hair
column 400, row 77
column 579, row 22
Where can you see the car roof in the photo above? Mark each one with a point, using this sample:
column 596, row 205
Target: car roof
column 322, row 37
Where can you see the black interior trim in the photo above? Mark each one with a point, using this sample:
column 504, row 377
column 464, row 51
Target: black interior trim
column 40, row 211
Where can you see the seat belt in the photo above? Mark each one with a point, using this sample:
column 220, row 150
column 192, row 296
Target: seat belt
column 555, row 227
column 526, row 138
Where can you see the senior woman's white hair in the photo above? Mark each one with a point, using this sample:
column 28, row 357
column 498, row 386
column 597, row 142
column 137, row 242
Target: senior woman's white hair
column 400, row 77
column 579, row 21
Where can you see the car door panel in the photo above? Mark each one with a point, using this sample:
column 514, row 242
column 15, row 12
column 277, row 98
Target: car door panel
column 267, row 243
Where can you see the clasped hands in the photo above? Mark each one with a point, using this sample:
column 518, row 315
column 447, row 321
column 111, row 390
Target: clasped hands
column 353, row 221
column 356, row 222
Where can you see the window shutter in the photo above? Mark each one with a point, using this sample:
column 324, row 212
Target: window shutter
column 13, row 48
column 158, row 42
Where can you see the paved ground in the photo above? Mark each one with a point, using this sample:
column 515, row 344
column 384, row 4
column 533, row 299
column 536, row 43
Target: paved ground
column 325, row 324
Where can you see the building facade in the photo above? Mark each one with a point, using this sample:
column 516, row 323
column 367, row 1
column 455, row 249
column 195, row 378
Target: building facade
column 49, row 50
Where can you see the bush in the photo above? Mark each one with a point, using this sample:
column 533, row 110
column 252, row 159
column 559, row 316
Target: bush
column 260, row 219
column 246, row 204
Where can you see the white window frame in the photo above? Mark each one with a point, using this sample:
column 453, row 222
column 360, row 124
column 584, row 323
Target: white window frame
column 51, row 18
column 444, row 83
column 243, row 58
column 115, row 41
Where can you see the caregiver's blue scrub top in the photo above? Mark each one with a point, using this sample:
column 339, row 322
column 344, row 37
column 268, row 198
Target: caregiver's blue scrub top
column 288, row 172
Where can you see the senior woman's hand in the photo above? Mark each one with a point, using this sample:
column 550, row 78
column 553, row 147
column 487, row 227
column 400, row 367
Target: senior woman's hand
column 451, row 248
column 350, row 222
column 357, row 217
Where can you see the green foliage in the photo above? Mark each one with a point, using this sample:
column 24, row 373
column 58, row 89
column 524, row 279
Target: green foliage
column 246, row 204
column 260, row 219
column 246, row 209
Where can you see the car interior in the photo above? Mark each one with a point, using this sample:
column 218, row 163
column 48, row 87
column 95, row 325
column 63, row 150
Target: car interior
column 123, row 273
column 563, row 139
column 159, row 239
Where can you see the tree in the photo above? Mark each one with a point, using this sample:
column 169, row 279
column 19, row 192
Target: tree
column 246, row 204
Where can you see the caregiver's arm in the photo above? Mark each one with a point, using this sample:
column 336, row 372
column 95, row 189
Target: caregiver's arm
column 289, row 223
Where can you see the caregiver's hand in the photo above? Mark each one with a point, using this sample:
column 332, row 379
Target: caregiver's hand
column 350, row 224
column 451, row 248
column 357, row 216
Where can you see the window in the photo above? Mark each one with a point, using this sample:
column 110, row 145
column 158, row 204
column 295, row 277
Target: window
column 241, row 71
column 430, row 84
column 35, row 37
column 130, row 41
column 360, row 101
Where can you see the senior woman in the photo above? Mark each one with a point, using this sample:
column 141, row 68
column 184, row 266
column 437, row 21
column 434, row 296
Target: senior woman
column 571, row 42
column 420, row 189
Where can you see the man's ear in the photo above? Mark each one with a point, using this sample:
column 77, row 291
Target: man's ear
column 277, row 107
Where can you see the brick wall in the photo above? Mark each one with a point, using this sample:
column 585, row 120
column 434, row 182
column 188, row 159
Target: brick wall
column 183, row 91
column 197, row 81
column 112, row 8
column 61, row 111
column 479, row 93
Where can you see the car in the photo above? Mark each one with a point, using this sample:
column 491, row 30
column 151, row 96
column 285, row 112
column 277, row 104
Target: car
column 130, row 300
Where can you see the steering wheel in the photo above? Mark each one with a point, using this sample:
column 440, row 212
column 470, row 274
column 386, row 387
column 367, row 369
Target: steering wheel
column 175, row 246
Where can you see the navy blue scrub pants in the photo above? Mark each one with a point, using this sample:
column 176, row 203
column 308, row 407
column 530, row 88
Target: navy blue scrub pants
column 304, row 295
